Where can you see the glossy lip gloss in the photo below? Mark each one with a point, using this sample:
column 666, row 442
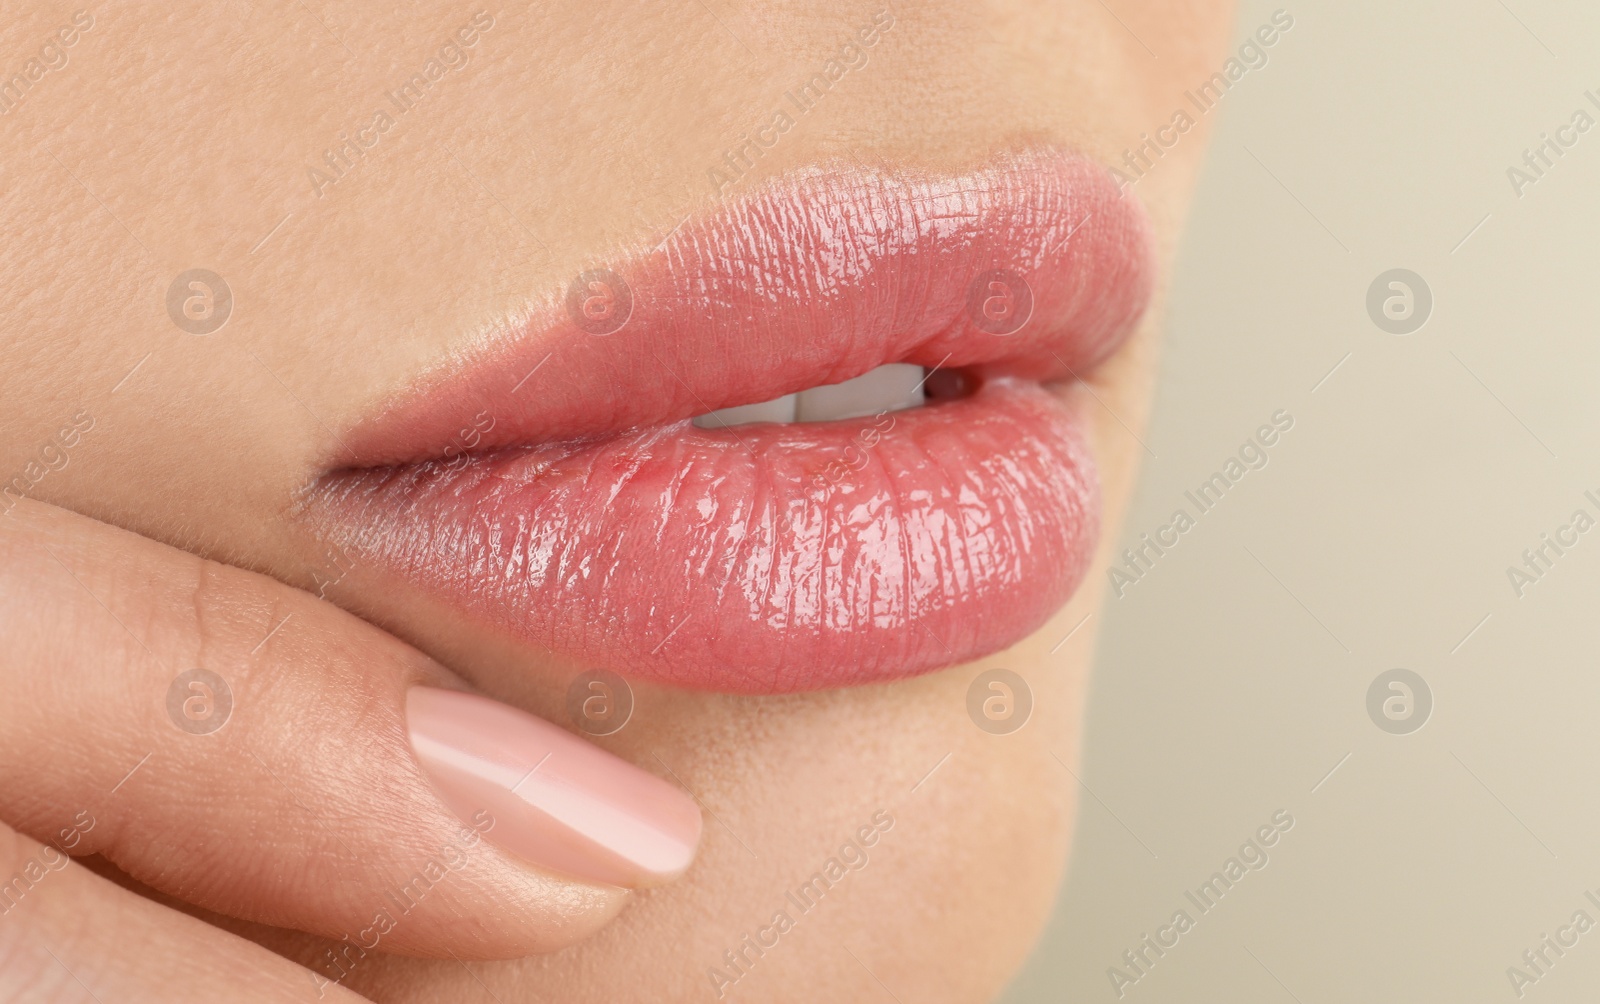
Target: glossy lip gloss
column 589, row 517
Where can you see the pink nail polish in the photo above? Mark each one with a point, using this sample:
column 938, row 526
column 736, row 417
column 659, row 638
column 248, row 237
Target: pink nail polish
column 556, row 800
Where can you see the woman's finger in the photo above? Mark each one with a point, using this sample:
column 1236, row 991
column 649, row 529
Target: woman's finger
column 246, row 747
column 67, row 934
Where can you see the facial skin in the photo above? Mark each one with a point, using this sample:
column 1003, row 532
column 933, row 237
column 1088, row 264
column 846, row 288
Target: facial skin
column 181, row 137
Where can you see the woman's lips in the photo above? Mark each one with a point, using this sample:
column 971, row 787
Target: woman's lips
column 551, row 489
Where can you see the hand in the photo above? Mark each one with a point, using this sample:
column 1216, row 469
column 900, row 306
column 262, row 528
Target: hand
column 245, row 750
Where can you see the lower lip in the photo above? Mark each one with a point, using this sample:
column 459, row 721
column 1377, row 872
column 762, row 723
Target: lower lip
column 759, row 559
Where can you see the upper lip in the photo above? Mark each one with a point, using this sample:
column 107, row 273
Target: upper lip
column 579, row 510
column 807, row 283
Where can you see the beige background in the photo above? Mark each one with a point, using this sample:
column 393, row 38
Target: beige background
column 1233, row 677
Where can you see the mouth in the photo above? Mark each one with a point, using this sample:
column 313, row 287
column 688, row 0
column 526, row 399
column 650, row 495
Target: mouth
column 818, row 437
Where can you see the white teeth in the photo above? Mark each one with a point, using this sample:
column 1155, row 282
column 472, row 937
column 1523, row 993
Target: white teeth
column 888, row 388
column 777, row 410
column 894, row 387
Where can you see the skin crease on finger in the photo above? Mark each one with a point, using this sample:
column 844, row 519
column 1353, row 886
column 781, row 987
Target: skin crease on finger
column 180, row 137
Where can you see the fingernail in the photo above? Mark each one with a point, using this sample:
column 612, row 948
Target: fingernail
column 554, row 800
